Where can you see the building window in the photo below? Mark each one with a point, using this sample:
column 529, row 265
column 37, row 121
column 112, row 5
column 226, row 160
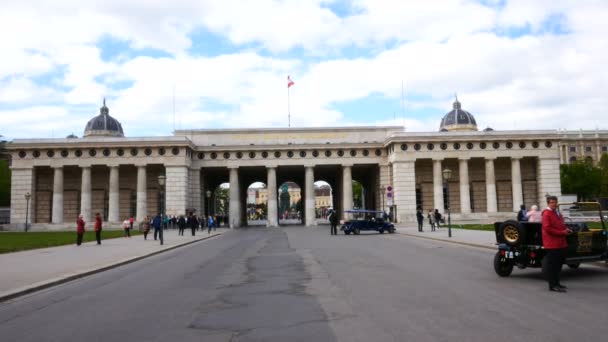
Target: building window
column 535, row 144
column 22, row 154
column 340, row 153
column 134, row 152
column 50, row 153
column 365, row 153
column 353, row 153
column 239, row 155
column 548, row 144
column 106, row 152
column 443, row 146
column 509, row 144
column 587, row 148
column 264, row 154
column 604, row 148
column 64, row 153
column 470, row 146
column 78, row 153
column 213, row 155
column 302, row 154
column 148, row 152
column 315, row 153
column 483, row 145
column 572, row 160
column 277, row 154
column 589, row 160
column 226, row 155
column 457, row 146
column 328, row 153
column 522, row 144
column 201, row 155
column 419, row 199
column 92, row 153
column 430, row 147
column 378, row 153
column 417, row 147
column 161, row 151
column 496, row 145
column 403, row 147
column 175, row 151
column 572, row 149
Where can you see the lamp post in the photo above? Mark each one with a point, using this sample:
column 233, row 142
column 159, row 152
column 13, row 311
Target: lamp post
column 208, row 193
column 382, row 189
column 161, row 184
column 447, row 174
column 27, row 208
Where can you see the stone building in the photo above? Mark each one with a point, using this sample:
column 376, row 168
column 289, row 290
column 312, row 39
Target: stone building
column 493, row 172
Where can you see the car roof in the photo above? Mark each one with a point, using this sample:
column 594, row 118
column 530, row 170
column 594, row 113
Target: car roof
column 364, row 211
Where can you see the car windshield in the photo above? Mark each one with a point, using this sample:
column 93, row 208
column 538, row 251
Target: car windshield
column 363, row 214
column 587, row 212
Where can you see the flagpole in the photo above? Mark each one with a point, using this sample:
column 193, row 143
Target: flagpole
column 288, row 110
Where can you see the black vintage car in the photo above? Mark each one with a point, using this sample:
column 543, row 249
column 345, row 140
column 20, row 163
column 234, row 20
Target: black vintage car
column 366, row 220
column 520, row 243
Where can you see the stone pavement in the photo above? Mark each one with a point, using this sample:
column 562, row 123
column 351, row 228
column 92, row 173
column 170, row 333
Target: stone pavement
column 476, row 238
column 32, row 270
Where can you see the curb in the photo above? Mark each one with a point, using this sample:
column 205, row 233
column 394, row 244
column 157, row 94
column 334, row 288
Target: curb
column 58, row 281
column 470, row 244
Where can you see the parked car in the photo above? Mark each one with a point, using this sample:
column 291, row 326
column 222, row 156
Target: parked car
column 520, row 243
column 362, row 220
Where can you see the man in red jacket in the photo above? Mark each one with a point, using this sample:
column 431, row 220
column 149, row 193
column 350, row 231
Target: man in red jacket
column 97, row 227
column 554, row 242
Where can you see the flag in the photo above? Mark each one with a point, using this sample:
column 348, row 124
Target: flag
column 289, row 82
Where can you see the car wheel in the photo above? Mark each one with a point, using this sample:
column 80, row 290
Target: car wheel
column 574, row 266
column 381, row 231
column 502, row 266
column 356, row 231
column 512, row 233
column 347, row 232
column 392, row 230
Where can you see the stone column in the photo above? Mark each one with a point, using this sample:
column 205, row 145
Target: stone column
column 517, row 191
column 114, row 200
column 176, row 190
column 272, row 217
column 310, row 219
column 598, row 152
column 437, row 185
column 347, row 189
column 404, row 191
column 465, row 194
column 22, row 182
column 142, row 193
column 235, row 202
column 383, row 181
column 195, row 190
column 57, row 195
column 548, row 178
column 492, row 205
column 86, row 195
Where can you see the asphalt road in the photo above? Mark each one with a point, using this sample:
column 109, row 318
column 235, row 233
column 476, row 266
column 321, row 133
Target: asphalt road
column 300, row 284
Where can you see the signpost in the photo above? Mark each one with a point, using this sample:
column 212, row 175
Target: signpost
column 389, row 195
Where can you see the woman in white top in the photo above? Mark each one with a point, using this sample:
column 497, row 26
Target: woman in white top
column 534, row 215
column 126, row 225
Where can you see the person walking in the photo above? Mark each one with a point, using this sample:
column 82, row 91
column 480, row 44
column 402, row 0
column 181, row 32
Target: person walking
column 146, row 227
column 193, row 222
column 210, row 224
column 522, row 214
column 79, row 229
column 534, row 215
column 97, row 227
column 181, row 224
column 438, row 219
column 157, row 223
column 333, row 221
column 419, row 218
column 126, row 224
column 431, row 217
column 131, row 221
column 554, row 233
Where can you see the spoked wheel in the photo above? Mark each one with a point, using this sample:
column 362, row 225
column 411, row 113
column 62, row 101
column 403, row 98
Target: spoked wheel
column 356, row 231
column 381, row 231
column 512, row 233
column 502, row 266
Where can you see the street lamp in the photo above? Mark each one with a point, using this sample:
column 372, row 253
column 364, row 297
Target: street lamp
column 447, row 174
column 161, row 183
column 208, row 193
column 27, row 208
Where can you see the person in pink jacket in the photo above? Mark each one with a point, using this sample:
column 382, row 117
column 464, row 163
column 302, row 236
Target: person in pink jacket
column 79, row 229
column 534, row 215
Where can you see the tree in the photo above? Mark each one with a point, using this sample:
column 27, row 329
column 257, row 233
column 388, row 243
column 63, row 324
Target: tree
column 357, row 194
column 5, row 175
column 603, row 165
column 581, row 179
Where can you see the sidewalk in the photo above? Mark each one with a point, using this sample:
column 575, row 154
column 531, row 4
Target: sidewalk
column 476, row 238
column 32, row 270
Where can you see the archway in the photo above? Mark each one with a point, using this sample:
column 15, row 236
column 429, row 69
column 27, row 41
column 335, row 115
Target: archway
column 323, row 200
column 218, row 205
column 290, row 203
column 359, row 196
column 257, row 204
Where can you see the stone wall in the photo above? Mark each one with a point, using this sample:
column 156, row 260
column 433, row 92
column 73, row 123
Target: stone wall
column 177, row 192
column 22, row 182
column 404, row 185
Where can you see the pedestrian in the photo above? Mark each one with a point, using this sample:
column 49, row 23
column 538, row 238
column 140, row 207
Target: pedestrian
column 522, row 213
column 125, row 226
column 181, row 224
column 210, row 224
column 438, row 219
column 193, row 224
column 157, row 223
column 79, row 229
column 419, row 218
column 333, row 221
column 131, row 221
column 146, row 227
column 554, row 233
column 534, row 215
column 97, row 227
column 431, row 217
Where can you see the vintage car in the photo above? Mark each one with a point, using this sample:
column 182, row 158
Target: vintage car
column 520, row 243
column 362, row 220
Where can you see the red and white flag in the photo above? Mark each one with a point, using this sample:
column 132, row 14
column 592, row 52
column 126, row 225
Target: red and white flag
column 289, row 82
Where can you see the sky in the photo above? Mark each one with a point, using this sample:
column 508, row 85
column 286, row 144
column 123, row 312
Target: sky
column 224, row 64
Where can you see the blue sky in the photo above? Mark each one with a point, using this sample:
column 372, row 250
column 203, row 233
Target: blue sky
column 514, row 64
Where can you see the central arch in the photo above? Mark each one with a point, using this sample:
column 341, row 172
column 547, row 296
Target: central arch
column 290, row 203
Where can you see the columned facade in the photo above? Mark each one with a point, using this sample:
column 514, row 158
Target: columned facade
column 465, row 195
column 235, row 202
column 142, row 193
column 272, row 203
column 86, row 194
column 58, row 195
column 491, row 205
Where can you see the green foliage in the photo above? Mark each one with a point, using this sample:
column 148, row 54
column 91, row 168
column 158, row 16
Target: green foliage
column 582, row 179
column 222, row 198
column 5, row 184
column 603, row 165
column 20, row 241
column 357, row 194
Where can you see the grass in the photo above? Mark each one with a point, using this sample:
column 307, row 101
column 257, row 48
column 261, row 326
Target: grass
column 21, row 241
column 490, row 227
